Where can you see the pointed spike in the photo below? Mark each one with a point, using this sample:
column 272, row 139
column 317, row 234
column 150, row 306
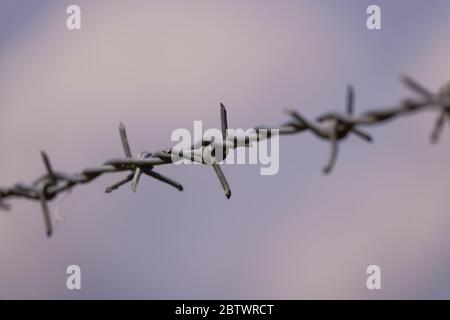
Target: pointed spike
column 333, row 155
column 439, row 125
column 48, row 167
column 124, row 138
column 416, row 86
column 223, row 120
column 119, row 183
column 46, row 213
column 350, row 100
column 135, row 181
column 363, row 135
column 296, row 116
column 109, row 189
column 222, row 179
column 164, row 179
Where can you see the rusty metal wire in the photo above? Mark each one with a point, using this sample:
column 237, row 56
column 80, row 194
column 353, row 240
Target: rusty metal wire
column 331, row 126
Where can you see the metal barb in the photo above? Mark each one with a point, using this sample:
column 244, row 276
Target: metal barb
column 416, row 87
column 124, row 138
column 223, row 121
column 120, row 183
column 222, row 179
column 50, row 174
column 350, row 100
column 333, row 127
column 46, row 214
column 333, row 154
column 438, row 127
column 164, row 179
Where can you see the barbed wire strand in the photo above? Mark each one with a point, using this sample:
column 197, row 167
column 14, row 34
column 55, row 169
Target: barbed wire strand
column 330, row 126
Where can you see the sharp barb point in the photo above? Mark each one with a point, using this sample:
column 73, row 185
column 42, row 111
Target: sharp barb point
column 438, row 127
column 118, row 184
column 135, row 181
column 416, row 87
column 124, row 139
column 362, row 135
column 164, row 179
column 350, row 100
column 48, row 167
column 46, row 214
column 223, row 120
column 222, row 179
column 333, row 155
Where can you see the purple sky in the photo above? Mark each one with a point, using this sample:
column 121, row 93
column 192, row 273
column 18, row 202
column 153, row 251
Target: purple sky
column 160, row 65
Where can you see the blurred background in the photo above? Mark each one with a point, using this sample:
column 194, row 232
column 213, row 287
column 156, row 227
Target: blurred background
column 160, row 65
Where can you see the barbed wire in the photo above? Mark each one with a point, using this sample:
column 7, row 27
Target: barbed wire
column 330, row 126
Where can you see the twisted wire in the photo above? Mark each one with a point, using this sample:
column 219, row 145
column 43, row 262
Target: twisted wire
column 333, row 127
